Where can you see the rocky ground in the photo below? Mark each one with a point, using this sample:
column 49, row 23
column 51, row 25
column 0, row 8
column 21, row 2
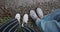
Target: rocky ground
column 8, row 8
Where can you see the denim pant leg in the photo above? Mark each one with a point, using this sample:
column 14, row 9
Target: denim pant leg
column 54, row 15
column 47, row 23
column 50, row 26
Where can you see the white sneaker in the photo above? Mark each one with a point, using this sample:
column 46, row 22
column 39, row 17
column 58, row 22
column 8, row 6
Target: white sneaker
column 25, row 19
column 17, row 17
column 33, row 15
column 40, row 12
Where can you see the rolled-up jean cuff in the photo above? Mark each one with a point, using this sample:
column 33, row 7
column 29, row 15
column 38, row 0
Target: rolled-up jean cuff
column 41, row 23
column 38, row 22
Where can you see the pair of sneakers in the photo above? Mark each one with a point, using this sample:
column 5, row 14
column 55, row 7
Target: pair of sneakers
column 25, row 18
column 34, row 15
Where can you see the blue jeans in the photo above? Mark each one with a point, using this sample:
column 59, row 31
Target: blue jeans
column 50, row 22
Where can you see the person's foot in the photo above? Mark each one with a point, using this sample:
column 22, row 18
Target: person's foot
column 17, row 16
column 40, row 12
column 33, row 15
column 25, row 19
